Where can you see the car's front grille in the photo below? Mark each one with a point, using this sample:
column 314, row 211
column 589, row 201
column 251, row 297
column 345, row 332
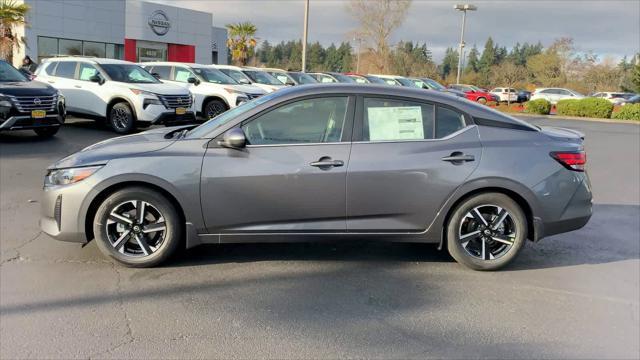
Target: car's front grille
column 29, row 103
column 176, row 101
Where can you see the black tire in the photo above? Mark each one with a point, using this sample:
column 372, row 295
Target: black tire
column 160, row 245
column 46, row 132
column 482, row 100
column 121, row 118
column 477, row 252
column 213, row 108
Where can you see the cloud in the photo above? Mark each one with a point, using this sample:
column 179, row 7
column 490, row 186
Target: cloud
column 609, row 28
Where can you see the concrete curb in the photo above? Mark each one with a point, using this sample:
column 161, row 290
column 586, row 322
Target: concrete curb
column 610, row 121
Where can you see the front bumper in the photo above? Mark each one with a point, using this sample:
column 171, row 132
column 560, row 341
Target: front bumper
column 159, row 114
column 26, row 122
column 63, row 211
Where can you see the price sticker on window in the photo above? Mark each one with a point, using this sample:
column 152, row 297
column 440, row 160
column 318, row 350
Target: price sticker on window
column 395, row 123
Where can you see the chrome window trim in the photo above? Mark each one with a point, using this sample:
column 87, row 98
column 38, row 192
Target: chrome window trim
column 452, row 135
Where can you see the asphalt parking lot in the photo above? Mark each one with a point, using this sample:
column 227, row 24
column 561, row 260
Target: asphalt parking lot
column 575, row 295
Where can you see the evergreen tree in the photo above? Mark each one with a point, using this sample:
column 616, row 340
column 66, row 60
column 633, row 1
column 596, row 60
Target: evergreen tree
column 472, row 60
column 488, row 58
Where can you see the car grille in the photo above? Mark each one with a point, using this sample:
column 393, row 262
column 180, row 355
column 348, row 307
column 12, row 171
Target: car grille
column 28, row 103
column 176, row 101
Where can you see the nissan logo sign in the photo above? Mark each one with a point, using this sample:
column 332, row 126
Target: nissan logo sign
column 37, row 101
column 159, row 22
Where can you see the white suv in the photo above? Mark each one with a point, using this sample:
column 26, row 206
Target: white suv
column 213, row 91
column 505, row 94
column 553, row 95
column 251, row 76
column 120, row 91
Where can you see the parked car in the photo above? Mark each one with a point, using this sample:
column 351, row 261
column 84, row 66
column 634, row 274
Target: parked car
column 430, row 84
column 523, row 96
column 474, row 93
column 246, row 76
column 553, row 95
column 213, row 91
column 366, row 79
column 616, row 98
column 396, row 80
column 505, row 94
column 632, row 100
column 120, row 91
column 243, row 177
column 290, row 77
column 331, row 77
column 28, row 105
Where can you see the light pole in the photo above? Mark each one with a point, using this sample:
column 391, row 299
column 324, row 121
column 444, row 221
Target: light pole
column 358, row 54
column 304, row 36
column 464, row 8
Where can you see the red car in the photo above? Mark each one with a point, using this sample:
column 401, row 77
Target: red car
column 474, row 93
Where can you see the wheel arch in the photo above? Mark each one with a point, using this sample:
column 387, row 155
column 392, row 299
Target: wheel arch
column 517, row 192
column 119, row 99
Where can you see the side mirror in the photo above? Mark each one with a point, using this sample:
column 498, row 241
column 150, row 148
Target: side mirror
column 193, row 81
column 290, row 83
column 156, row 75
column 96, row 79
column 234, row 139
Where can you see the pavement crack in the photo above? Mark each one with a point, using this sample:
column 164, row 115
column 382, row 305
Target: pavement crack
column 18, row 256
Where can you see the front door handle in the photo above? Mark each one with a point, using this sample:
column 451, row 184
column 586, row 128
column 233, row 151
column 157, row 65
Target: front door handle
column 458, row 157
column 78, row 86
column 51, row 82
column 326, row 162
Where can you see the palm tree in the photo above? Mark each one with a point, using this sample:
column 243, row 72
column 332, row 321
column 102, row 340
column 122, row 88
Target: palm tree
column 241, row 41
column 12, row 15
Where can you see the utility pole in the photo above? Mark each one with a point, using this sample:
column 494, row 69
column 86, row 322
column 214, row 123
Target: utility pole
column 356, row 39
column 464, row 8
column 304, row 36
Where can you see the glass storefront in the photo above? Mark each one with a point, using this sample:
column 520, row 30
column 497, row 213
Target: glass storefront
column 49, row 47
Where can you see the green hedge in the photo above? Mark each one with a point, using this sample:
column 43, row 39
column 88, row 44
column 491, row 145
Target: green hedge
column 628, row 112
column 587, row 107
column 539, row 106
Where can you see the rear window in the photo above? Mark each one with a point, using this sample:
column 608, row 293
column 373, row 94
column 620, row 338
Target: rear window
column 66, row 69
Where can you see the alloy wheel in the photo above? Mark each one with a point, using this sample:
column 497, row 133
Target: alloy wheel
column 214, row 109
column 487, row 232
column 120, row 118
column 136, row 228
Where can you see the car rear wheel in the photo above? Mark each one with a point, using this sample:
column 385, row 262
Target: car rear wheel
column 486, row 231
column 138, row 227
column 482, row 100
column 214, row 108
column 121, row 118
column 46, row 132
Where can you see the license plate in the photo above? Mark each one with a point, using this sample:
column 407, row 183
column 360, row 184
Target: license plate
column 38, row 114
column 180, row 111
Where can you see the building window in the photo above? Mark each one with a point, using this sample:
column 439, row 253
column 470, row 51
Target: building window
column 49, row 47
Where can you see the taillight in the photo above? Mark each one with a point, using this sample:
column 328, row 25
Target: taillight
column 571, row 160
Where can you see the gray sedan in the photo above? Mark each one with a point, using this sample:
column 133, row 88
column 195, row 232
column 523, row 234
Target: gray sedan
column 326, row 161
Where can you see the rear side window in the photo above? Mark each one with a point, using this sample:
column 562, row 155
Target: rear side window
column 163, row 71
column 66, row 69
column 448, row 121
column 393, row 120
column 49, row 68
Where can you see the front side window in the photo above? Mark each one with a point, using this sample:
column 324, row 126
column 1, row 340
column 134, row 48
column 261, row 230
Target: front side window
column 214, row 76
column 87, row 71
column 393, row 120
column 128, row 73
column 66, row 69
column 318, row 120
column 262, row 77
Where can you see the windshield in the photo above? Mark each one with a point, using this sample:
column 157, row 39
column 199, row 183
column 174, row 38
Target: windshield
column 302, row 78
column 129, row 73
column 406, row 82
column 434, row 84
column 214, row 76
column 207, row 127
column 343, row 78
column 375, row 80
column 236, row 75
column 262, row 77
column 9, row 74
column 475, row 88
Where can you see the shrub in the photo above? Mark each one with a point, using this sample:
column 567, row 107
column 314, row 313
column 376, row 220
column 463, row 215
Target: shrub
column 628, row 112
column 587, row 107
column 513, row 108
column 539, row 106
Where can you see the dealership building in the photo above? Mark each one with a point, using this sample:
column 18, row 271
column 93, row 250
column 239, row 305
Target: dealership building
column 132, row 30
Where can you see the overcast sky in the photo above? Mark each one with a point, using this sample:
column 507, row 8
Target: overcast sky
column 609, row 28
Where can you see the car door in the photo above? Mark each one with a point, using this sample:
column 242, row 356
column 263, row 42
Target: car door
column 291, row 177
column 64, row 80
column 407, row 158
column 87, row 92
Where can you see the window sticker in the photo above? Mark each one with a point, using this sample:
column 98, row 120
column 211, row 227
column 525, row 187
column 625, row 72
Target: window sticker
column 182, row 75
column 87, row 73
column 395, row 123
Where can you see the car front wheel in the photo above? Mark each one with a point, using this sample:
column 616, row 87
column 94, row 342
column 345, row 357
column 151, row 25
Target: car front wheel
column 486, row 231
column 214, row 108
column 482, row 100
column 138, row 227
column 121, row 118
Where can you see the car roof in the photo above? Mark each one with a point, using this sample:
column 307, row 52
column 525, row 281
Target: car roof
column 94, row 60
column 171, row 63
column 227, row 67
column 387, row 76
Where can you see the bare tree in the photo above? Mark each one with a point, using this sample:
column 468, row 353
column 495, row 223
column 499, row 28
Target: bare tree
column 508, row 75
column 377, row 19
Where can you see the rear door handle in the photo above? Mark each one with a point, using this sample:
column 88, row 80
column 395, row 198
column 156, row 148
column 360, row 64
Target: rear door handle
column 327, row 162
column 458, row 158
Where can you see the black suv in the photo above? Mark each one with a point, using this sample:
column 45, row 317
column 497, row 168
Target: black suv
column 28, row 105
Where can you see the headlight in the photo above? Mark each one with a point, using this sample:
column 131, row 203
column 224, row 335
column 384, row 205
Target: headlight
column 70, row 175
column 234, row 91
column 4, row 101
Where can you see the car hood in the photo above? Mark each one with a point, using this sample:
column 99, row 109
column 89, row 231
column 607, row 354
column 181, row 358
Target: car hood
column 161, row 88
column 27, row 88
column 249, row 89
column 121, row 147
